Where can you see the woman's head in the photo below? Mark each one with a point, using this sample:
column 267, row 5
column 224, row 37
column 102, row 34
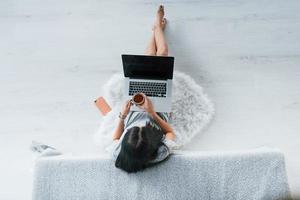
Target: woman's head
column 138, row 147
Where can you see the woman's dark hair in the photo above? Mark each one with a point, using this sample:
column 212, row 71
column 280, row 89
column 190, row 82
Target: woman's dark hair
column 138, row 147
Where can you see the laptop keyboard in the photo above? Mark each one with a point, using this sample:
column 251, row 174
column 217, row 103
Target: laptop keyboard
column 151, row 89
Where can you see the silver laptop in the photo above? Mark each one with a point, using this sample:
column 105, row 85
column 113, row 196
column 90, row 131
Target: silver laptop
column 151, row 75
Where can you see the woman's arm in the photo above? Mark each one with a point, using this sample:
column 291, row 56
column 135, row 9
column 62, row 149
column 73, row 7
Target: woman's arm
column 167, row 129
column 120, row 127
column 119, row 130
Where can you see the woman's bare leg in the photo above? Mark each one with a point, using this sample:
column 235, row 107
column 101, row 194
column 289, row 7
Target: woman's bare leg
column 151, row 48
column 159, row 26
column 158, row 44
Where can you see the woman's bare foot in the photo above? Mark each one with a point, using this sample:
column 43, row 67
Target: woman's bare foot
column 160, row 21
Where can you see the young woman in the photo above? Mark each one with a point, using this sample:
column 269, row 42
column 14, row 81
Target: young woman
column 143, row 139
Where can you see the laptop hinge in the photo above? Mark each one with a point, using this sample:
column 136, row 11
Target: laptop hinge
column 159, row 79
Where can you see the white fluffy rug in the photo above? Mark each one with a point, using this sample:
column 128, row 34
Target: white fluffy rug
column 191, row 109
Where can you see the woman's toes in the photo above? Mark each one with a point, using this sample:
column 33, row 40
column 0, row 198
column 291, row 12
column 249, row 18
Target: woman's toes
column 160, row 12
column 161, row 8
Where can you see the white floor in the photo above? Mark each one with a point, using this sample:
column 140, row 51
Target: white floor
column 56, row 54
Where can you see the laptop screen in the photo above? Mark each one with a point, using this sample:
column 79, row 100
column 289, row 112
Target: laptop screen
column 148, row 67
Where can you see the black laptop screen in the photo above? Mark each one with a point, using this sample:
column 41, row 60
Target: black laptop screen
column 148, row 67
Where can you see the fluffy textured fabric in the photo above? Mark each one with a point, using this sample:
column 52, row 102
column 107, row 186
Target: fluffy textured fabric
column 191, row 109
column 257, row 174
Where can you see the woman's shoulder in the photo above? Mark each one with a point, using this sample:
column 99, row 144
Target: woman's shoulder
column 164, row 150
column 169, row 143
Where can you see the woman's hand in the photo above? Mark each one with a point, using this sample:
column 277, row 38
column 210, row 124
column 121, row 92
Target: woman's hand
column 147, row 105
column 126, row 108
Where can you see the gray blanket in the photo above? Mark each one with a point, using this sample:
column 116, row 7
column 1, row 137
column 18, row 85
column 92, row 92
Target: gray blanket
column 255, row 174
